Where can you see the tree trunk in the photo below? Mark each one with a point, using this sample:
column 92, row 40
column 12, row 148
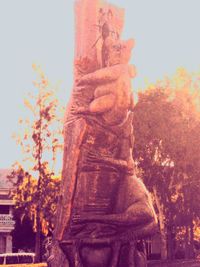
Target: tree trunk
column 187, row 247
column 187, row 198
column 163, row 232
column 191, row 238
column 38, row 241
column 191, row 225
column 170, row 243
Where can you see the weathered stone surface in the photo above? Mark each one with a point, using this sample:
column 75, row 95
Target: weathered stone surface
column 103, row 207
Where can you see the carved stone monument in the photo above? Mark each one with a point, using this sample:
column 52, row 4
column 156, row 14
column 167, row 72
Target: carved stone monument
column 103, row 207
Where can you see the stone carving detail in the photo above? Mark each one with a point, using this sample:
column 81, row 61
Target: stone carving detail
column 103, row 208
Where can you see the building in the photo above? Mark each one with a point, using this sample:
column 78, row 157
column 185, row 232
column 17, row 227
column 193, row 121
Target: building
column 7, row 223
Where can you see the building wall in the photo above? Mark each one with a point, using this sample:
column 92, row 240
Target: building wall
column 7, row 223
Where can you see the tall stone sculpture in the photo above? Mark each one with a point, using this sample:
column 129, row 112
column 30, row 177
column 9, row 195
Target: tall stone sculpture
column 103, row 207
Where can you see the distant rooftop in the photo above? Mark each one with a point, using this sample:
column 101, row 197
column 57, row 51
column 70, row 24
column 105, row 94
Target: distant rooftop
column 4, row 181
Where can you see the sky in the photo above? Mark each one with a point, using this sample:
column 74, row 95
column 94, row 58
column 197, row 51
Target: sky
column 166, row 33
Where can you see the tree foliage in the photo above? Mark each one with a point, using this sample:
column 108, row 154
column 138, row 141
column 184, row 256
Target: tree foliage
column 167, row 149
column 37, row 187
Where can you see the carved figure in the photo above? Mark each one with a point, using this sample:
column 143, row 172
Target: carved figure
column 113, row 95
column 103, row 208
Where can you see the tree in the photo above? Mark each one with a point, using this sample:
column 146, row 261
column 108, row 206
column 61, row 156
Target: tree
column 167, row 149
column 150, row 126
column 37, row 187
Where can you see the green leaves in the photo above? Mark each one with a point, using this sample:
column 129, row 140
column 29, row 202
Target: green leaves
column 167, row 144
column 36, row 190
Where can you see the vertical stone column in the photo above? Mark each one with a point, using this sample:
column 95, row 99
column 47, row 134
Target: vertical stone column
column 8, row 244
column 2, row 243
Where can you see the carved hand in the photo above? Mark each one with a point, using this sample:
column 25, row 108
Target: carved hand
column 79, row 110
column 104, row 75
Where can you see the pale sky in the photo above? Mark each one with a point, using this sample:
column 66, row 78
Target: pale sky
column 42, row 32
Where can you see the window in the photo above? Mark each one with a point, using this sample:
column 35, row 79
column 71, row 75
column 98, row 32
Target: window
column 4, row 209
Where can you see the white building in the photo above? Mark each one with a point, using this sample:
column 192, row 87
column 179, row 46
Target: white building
column 6, row 208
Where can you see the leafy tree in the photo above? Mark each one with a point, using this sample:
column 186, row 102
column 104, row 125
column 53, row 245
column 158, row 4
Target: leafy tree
column 37, row 187
column 167, row 149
